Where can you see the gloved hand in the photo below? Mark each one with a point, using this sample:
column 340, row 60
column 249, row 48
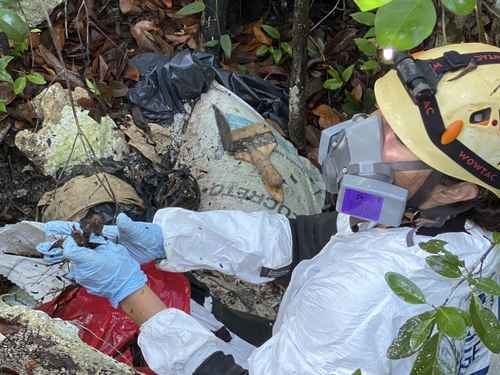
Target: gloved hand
column 143, row 240
column 106, row 271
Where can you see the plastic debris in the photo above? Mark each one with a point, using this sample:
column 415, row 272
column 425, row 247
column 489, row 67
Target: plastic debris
column 167, row 83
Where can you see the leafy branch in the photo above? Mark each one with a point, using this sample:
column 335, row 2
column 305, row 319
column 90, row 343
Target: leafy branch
column 424, row 334
column 404, row 24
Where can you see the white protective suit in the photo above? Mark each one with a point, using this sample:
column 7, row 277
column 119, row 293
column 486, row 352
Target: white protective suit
column 338, row 313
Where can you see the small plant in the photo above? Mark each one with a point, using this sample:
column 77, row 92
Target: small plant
column 277, row 49
column 443, row 326
column 367, row 44
column 224, row 42
column 338, row 80
column 404, row 24
column 17, row 31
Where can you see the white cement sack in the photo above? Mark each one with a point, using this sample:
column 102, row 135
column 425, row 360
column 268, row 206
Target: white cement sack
column 227, row 183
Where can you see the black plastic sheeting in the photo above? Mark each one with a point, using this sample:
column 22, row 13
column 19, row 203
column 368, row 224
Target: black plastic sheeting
column 167, row 83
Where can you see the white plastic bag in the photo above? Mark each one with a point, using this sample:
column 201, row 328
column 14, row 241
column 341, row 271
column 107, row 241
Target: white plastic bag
column 232, row 242
column 227, row 183
column 339, row 314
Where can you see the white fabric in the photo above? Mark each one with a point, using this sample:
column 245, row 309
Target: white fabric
column 174, row 343
column 339, row 315
column 237, row 347
column 232, row 242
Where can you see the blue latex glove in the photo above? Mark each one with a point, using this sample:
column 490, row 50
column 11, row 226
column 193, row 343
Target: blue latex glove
column 143, row 240
column 106, row 271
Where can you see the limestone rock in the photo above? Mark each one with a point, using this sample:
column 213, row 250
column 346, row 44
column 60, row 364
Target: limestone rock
column 35, row 10
column 33, row 343
column 58, row 143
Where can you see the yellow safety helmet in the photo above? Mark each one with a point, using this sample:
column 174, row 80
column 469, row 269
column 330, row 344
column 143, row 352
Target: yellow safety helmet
column 457, row 130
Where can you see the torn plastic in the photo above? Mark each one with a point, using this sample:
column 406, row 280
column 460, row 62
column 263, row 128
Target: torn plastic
column 109, row 330
column 167, row 83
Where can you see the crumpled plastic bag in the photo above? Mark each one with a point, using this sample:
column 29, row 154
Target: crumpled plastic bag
column 109, row 330
column 167, row 83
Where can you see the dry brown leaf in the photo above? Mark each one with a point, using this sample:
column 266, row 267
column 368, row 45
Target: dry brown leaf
column 132, row 73
column 327, row 116
column 130, row 7
column 270, row 70
column 261, row 36
column 357, row 92
column 178, row 39
column 59, row 36
column 141, row 32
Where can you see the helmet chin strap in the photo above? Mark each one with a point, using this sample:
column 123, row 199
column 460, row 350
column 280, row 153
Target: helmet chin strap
column 436, row 216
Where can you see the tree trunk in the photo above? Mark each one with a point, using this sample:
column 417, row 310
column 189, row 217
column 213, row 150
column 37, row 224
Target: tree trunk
column 297, row 120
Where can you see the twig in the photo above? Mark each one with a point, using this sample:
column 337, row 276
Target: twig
column 325, row 17
column 296, row 124
column 85, row 142
column 480, row 27
column 493, row 11
column 443, row 24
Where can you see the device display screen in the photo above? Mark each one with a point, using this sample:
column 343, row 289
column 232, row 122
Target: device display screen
column 362, row 204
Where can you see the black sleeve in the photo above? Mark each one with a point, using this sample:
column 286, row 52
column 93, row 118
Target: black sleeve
column 220, row 364
column 310, row 234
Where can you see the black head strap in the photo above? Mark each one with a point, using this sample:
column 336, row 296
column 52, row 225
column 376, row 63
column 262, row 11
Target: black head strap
column 421, row 82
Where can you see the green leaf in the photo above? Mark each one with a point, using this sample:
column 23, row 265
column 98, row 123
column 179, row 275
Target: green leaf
column 36, row 79
column 370, row 33
column 366, row 5
column 451, row 322
column 412, row 334
column 4, row 61
column 333, row 84
column 271, row 31
column 433, row 246
column 277, row 54
column 404, row 24
column 357, row 372
column 496, row 238
column 404, row 288
column 192, row 8
column 92, row 87
column 285, row 47
column 370, row 65
column 443, row 267
column 332, row 72
column 364, row 18
column 262, row 50
column 487, row 285
column 3, row 106
column 212, row 43
column 13, row 26
column 226, row 45
column 460, row 7
column 427, row 361
column 486, row 325
column 365, row 46
column 20, row 85
column 347, row 73
column 5, row 76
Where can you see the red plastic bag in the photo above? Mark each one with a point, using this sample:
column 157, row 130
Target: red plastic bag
column 109, row 330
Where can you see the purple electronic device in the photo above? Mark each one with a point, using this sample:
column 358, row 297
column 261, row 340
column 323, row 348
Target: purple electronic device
column 361, row 204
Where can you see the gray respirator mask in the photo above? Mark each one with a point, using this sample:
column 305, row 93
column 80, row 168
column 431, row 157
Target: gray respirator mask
column 351, row 158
